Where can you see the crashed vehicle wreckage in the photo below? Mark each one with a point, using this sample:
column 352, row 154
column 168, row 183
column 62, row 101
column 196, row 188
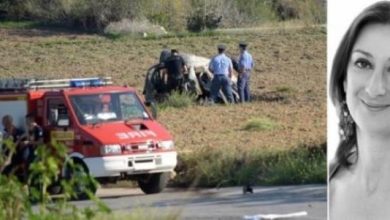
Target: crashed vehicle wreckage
column 197, row 81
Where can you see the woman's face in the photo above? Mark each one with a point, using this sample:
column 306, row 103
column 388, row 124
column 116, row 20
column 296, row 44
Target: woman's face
column 367, row 84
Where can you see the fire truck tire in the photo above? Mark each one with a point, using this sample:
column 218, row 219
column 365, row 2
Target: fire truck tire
column 55, row 189
column 153, row 183
column 84, row 182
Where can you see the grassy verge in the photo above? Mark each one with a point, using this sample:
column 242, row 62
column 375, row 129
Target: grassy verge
column 214, row 167
column 19, row 24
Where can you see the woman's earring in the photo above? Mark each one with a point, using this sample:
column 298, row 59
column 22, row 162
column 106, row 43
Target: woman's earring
column 347, row 124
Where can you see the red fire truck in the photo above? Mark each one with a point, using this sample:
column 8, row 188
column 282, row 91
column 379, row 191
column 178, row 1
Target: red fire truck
column 108, row 129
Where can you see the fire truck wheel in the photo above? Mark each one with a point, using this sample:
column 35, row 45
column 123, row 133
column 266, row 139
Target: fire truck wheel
column 55, row 189
column 82, row 181
column 153, row 183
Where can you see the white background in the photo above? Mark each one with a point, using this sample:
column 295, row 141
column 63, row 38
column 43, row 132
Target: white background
column 340, row 15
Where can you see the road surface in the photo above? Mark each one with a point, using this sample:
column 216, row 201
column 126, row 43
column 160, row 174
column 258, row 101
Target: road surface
column 223, row 203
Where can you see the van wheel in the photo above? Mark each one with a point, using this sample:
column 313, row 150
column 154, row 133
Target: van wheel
column 153, row 183
column 81, row 181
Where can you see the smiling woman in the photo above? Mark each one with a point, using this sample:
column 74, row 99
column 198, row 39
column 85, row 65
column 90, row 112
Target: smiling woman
column 368, row 79
column 360, row 91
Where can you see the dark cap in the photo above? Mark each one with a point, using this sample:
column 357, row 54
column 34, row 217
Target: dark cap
column 221, row 47
column 243, row 44
column 174, row 51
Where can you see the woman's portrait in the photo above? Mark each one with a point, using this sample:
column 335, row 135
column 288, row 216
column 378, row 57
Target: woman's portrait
column 359, row 174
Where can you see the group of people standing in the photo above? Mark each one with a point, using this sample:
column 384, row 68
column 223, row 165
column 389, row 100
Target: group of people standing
column 221, row 66
column 25, row 144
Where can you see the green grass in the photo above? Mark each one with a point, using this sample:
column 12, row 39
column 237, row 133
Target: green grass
column 114, row 36
column 234, row 166
column 70, row 43
column 260, row 124
column 177, row 100
column 19, row 24
column 171, row 35
column 298, row 166
column 284, row 89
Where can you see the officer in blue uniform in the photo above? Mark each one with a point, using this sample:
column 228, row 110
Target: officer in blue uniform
column 165, row 54
column 245, row 66
column 176, row 68
column 221, row 66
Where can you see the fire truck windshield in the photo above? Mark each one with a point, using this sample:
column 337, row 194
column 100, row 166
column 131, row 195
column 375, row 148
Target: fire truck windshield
column 91, row 109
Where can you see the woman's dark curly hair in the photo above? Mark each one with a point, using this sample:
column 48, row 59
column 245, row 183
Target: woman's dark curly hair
column 378, row 13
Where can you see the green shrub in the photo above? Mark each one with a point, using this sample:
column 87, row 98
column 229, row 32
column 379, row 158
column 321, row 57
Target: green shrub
column 87, row 14
column 260, row 124
column 252, row 12
column 310, row 11
column 177, row 100
column 198, row 21
column 17, row 200
column 13, row 198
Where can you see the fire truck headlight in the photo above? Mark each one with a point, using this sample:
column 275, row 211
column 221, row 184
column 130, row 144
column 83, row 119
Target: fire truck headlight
column 166, row 144
column 111, row 149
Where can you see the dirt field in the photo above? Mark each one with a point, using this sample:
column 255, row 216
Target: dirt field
column 288, row 83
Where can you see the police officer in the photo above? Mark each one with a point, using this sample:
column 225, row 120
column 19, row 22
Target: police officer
column 165, row 54
column 221, row 66
column 176, row 68
column 11, row 132
column 245, row 66
column 34, row 139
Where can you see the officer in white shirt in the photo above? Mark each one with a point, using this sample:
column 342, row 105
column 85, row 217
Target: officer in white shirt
column 221, row 66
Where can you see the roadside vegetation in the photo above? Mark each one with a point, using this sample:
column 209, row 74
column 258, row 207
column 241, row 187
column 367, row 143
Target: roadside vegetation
column 230, row 166
column 31, row 200
column 146, row 16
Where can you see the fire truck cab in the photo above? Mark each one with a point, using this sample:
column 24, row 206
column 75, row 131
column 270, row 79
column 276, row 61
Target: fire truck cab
column 107, row 129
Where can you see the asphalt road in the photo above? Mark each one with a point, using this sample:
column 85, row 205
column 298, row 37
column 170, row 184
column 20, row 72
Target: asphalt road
column 223, row 203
